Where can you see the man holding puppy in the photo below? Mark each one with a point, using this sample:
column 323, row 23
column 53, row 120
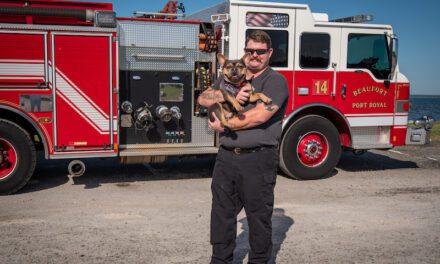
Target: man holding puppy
column 246, row 166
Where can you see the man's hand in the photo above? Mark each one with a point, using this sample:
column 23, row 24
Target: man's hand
column 244, row 94
column 216, row 125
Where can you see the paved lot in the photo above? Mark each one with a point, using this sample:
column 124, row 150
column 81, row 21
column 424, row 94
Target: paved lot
column 381, row 207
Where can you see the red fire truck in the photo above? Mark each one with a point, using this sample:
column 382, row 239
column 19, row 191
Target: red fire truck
column 78, row 82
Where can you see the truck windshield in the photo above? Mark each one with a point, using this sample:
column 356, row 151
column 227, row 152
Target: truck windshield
column 369, row 51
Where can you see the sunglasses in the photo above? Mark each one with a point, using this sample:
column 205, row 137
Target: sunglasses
column 258, row 51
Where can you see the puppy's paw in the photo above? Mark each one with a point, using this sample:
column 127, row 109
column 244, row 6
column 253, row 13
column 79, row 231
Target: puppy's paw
column 239, row 108
column 265, row 99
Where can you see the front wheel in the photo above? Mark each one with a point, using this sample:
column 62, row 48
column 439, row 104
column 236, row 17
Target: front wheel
column 17, row 157
column 310, row 148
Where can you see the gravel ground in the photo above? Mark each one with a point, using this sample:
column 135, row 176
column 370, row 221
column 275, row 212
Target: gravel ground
column 380, row 207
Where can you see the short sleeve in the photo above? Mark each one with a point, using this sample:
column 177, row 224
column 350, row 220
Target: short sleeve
column 275, row 87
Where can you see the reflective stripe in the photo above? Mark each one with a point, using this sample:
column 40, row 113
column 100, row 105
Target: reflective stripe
column 14, row 69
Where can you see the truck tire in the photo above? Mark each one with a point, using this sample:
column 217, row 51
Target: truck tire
column 17, row 157
column 310, row 148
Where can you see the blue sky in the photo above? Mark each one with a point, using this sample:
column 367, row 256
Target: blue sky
column 415, row 23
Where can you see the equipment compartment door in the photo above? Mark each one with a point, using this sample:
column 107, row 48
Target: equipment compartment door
column 81, row 66
column 23, row 60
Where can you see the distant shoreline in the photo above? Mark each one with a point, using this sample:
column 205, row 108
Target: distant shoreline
column 424, row 96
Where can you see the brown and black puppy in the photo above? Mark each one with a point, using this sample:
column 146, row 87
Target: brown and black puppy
column 234, row 79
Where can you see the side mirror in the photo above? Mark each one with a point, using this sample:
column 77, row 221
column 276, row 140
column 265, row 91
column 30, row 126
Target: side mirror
column 393, row 52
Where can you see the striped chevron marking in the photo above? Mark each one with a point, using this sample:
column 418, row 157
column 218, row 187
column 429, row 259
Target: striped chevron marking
column 71, row 94
column 82, row 104
column 360, row 120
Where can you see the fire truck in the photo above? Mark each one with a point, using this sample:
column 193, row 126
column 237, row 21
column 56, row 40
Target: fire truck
column 77, row 82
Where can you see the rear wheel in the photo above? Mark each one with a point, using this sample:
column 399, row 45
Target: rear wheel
column 310, row 149
column 17, row 157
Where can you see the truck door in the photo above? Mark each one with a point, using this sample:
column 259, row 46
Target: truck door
column 82, row 80
column 362, row 89
column 316, row 66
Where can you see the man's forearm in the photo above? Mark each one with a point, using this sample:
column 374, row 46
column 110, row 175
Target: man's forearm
column 252, row 118
column 210, row 97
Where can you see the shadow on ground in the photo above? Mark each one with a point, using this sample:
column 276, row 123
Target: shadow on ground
column 371, row 161
column 281, row 224
column 51, row 173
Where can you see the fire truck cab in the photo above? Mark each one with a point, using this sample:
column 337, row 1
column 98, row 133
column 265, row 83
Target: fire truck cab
column 78, row 82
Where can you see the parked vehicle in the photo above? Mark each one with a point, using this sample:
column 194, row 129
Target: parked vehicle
column 78, row 82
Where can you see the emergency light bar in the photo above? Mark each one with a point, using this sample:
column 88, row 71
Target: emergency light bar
column 354, row 19
column 220, row 18
column 105, row 19
column 140, row 14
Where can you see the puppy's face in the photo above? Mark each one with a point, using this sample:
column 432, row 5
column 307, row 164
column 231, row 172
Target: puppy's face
column 234, row 71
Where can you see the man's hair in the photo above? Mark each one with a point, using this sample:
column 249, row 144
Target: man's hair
column 259, row 36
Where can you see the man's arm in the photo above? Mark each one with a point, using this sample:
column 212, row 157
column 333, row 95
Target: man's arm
column 253, row 117
column 210, row 97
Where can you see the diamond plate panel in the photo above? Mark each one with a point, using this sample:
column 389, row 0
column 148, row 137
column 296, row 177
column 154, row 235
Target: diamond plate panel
column 201, row 134
column 417, row 136
column 367, row 136
column 157, row 59
column 204, row 56
column 158, row 35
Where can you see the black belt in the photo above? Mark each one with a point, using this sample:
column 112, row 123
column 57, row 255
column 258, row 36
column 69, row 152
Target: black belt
column 239, row 151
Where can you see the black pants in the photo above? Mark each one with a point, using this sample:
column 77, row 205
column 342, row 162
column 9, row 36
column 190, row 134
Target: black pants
column 243, row 180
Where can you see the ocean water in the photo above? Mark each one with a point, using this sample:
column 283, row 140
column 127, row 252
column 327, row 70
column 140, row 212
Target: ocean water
column 421, row 106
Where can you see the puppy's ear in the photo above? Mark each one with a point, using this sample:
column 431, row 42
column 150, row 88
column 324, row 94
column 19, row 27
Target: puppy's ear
column 221, row 59
column 246, row 58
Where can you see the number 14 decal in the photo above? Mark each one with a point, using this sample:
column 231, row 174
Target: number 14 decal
column 320, row 87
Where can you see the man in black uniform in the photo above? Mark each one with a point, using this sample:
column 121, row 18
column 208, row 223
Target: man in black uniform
column 246, row 165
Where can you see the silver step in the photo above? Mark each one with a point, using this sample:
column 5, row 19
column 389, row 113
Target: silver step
column 168, row 151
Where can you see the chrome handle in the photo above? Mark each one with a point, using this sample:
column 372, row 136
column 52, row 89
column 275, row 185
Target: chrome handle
column 334, row 66
column 344, row 91
column 158, row 57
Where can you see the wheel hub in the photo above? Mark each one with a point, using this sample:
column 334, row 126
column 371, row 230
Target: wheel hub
column 312, row 149
column 8, row 158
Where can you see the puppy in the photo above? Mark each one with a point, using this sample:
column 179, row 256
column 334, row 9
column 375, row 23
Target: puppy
column 234, row 79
